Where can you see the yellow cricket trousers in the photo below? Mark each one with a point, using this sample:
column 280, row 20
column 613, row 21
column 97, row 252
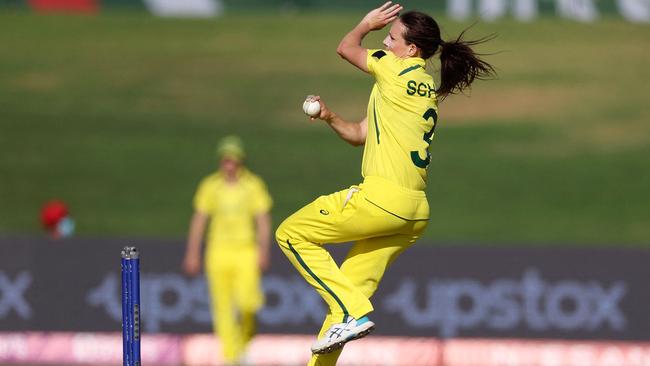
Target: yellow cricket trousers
column 348, row 215
column 234, row 284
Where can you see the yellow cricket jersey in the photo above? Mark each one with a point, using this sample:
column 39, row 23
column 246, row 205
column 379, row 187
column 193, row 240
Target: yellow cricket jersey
column 232, row 208
column 402, row 116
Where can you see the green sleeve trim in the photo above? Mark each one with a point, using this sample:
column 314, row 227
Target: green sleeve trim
column 379, row 54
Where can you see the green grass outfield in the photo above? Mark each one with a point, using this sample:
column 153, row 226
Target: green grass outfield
column 119, row 115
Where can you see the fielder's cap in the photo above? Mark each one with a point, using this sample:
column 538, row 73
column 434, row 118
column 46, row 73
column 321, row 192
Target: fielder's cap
column 231, row 147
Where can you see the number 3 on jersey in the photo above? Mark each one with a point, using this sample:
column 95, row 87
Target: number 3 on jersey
column 415, row 155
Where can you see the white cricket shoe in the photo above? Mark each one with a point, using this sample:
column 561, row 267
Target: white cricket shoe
column 341, row 333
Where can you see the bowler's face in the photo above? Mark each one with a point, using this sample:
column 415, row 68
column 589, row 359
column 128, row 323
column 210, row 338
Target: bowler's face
column 395, row 41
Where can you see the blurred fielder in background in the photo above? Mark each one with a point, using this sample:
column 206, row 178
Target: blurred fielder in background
column 238, row 204
column 387, row 212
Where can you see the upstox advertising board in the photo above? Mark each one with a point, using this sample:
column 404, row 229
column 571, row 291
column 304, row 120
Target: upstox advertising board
column 430, row 291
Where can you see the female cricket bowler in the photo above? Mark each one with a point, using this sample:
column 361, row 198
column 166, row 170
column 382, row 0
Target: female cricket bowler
column 386, row 213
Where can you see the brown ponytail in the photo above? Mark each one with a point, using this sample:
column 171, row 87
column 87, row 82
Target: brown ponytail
column 459, row 64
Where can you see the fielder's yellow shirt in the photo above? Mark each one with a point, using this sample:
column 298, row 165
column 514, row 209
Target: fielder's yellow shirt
column 402, row 115
column 232, row 208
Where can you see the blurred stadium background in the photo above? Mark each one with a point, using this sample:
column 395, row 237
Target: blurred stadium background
column 539, row 180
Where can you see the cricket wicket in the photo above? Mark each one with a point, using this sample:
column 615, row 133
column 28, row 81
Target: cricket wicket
column 131, row 306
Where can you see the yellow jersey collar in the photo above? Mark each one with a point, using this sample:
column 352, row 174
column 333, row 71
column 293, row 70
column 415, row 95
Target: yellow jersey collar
column 242, row 173
column 417, row 61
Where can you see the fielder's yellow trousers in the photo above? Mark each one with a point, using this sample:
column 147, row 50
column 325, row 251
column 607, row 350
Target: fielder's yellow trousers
column 235, row 291
column 379, row 236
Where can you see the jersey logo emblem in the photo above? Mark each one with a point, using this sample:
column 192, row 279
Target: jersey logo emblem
column 324, row 212
column 379, row 54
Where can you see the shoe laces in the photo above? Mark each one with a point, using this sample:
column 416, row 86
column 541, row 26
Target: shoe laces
column 337, row 329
